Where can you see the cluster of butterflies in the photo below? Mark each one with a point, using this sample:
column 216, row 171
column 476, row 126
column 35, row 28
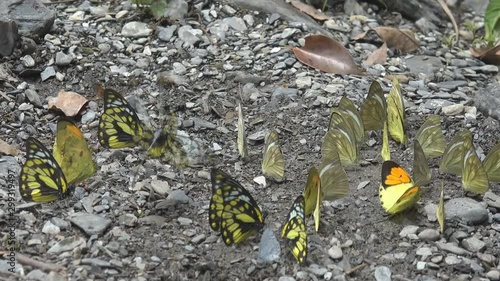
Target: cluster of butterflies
column 236, row 215
column 45, row 176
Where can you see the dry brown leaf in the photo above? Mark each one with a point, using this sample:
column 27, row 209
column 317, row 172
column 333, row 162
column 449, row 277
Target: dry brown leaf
column 401, row 39
column 309, row 10
column 326, row 54
column 452, row 18
column 70, row 103
column 7, row 149
column 488, row 55
column 378, row 56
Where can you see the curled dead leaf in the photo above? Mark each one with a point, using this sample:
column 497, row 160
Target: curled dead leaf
column 401, row 39
column 488, row 55
column 7, row 149
column 309, row 10
column 378, row 56
column 70, row 103
column 326, row 54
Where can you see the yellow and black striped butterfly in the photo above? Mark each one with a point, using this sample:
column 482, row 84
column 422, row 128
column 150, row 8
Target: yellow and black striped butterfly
column 313, row 196
column 492, row 164
column 242, row 140
column 340, row 138
column 41, row 178
column 72, row 152
column 421, row 172
column 396, row 113
column 119, row 127
column 474, row 177
column 273, row 165
column 351, row 117
column 397, row 191
column 374, row 109
column 431, row 137
column 452, row 160
column 294, row 229
column 233, row 211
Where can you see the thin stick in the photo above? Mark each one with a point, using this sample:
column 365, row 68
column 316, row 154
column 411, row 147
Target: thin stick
column 356, row 268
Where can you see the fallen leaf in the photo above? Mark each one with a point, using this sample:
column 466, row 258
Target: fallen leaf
column 326, row 54
column 400, row 39
column 7, row 149
column 488, row 55
column 378, row 56
column 70, row 103
column 309, row 10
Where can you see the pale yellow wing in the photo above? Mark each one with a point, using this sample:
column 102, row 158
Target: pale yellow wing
column 273, row 165
column 431, row 138
column 374, row 109
column 421, row 171
column 385, row 152
column 334, row 181
column 452, row 160
column 242, row 141
column 474, row 177
column 492, row 164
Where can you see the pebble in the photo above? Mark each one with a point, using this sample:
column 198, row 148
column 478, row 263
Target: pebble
column 493, row 275
column 303, row 82
column 408, row 230
column 90, row 224
column 383, row 273
column 50, row 228
column 47, row 73
column 235, row 23
column 466, row 210
column 429, row 235
column 63, row 59
column 166, row 33
column 269, row 247
column 473, row 244
column 454, row 109
column 136, row 29
column 335, row 252
column 184, row 221
column 452, row 260
column 67, row 244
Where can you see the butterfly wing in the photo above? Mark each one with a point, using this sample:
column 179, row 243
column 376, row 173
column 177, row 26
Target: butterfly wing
column 72, row 152
column 431, row 137
column 342, row 140
column 240, row 216
column 452, row 160
column 492, row 164
column 440, row 214
column 41, row 178
column 397, row 191
column 421, row 171
column 352, row 118
column 474, row 177
column 273, row 165
column 242, row 141
column 313, row 196
column 166, row 143
column 374, row 109
column 396, row 114
column 119, row 125
column 333, row 179
column 294, row 229
column 385, row 152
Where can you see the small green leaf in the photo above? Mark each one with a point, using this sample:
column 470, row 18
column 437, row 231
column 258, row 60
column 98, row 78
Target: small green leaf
column 492, row 20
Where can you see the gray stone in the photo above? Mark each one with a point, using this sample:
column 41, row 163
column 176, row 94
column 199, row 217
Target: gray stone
column 429, row 235
column 493, row 275
column 408, row 230
column 383, row 273
column 423, row 64
column 203, row 124
column 269, row 247
column 452, row 248
column 473, row 244
column 466, row 210
column 189, row 35
column 176, row 10
column 235, row 23
column 335, row 252
column 281, row 92
column 33, row 97
column 488, row 100
column 9, row 36
column 31, row 16
column 453, row 109
column 90, row 224
column 63, row 59
column 436, row 103
column 449, row 85
column 47, row 73
column 492, row 199
column 37, row 275
column 136, row 29
column 166, row 33
column 67, row 244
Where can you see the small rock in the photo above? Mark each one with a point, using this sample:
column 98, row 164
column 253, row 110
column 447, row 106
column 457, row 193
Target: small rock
column 408, row 230
column 47, row 73
column 33, row 97
column 50, row 228
column 136, row 29
column 269, row 247
column 303, row 82
column 493, row 275
column 166, row 33
column 429, row 235
column 90, row 224
column 452, row 248
column 466, row 210
column 176, row 10
column 189, row 35
column 454, row 109
column 452, row 260
column 235, row 23
column 492, row 199
column 383, row 273
column 335, row 252
column 473, row 244
column 67, row 244
column 184, row 221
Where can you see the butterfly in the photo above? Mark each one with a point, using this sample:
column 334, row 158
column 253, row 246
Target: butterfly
column 242, row 141
column 397, row 191
column 351, row 117
column 341, row 139
column 120, row 127
column 72, row 153
column 333, row 178
column 385, row 152
column 374, row 109
column 431, row 137
column 474, row 177
column 492, row 164
column 396, row 113
column 294, row 229
column 41, row 178
column 273, row 165
column 452, row 160
column 313, row 196
column 233, row 211
column 440, row 214
column 421, row 171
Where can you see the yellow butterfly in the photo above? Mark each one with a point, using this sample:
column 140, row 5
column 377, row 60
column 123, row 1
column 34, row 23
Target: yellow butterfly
column 386, row 153
column 397, row 191
column 340, row 139
column 452, row 160
column 119, row 127
column 440, row 213
column 431, row 137
column 421, row 171
column 242, row 141
column 492, row 164
column 294, row 229
column 313, row 196
column 333, row 178
column 374, row 109
column 474, row 177
column 233, row 211
column 41, row 179
column 396, row 113
column 351, row 117
column 273, row 165
column 72, row 153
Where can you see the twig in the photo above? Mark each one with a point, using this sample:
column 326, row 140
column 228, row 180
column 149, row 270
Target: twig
column 450, row 15
column 356, row 268
column 38, row 264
